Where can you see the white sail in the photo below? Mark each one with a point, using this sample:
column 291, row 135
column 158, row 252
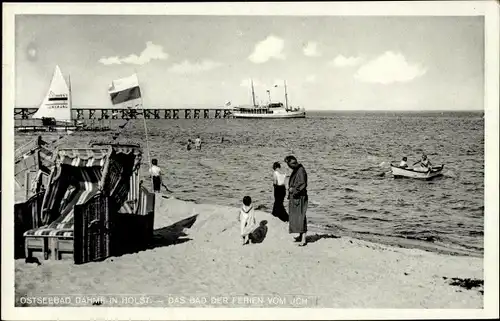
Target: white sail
column 56, row 103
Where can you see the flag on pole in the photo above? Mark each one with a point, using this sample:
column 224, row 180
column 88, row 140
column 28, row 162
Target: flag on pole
column 125, row 92
column 228, row 104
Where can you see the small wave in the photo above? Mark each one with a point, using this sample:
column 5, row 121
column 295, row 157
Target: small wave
column 403, row 204
column 380, row 219
column 349, row 190
column 461, row 208
column 349, row 218
column 188, row 200
column 367, row 210
column 480, row 233
column 261, row 207
column 429, row 238
column 332, row 226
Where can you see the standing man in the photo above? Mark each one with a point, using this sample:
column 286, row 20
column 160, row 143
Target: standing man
column 298, row 200
column 197, row 142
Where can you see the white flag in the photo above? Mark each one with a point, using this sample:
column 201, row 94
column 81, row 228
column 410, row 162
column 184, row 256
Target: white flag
column 125, row 92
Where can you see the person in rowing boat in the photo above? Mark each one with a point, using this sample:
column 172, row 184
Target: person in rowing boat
column 403, row 163
column 425, row 164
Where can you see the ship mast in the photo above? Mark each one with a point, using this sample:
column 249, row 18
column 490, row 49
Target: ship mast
column 286, row 97
column 253, row 94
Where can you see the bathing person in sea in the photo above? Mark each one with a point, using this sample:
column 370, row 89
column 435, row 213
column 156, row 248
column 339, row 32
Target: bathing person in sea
column 425, row 164
column 403, row 163
column 298, row 199
column 279, row 193
column 189, row 144
column 246, row 217
column 197, row 142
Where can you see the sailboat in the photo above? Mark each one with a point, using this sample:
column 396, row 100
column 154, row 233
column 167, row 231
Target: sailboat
column 272, row 110
column 55, row 111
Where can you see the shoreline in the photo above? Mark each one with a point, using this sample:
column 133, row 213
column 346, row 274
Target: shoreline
column 393, row 241
column 197, row 252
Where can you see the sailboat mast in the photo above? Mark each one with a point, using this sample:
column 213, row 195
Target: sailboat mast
column 70, row 105
column 253, row 94
column 286, row 97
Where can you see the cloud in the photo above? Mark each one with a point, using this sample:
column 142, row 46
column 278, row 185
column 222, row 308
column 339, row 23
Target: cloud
column 311, row 78
column 389, row 68
column 311, row 50
column 32, row 52
column 271, row 47
column 151, row 52
column 187, row 67
column 341, row 61
column 110, row 60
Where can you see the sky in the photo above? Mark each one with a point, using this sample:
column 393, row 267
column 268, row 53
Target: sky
column 329, row 62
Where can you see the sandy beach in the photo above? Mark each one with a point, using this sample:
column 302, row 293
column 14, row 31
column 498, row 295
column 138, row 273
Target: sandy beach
column 197, row 260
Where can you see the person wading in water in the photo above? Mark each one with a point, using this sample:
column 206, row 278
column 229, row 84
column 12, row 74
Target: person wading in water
column 298, row 200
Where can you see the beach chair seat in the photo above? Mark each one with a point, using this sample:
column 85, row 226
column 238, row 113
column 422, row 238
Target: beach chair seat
column 51, row 240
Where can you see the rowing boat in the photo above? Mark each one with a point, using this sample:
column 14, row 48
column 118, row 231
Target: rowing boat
column 399, row 172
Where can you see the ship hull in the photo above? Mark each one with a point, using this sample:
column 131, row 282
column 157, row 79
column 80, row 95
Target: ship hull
column 270, row 116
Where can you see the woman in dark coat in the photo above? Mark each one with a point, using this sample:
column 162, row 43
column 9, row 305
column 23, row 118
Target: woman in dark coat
column 298, row 199
column 279, row 193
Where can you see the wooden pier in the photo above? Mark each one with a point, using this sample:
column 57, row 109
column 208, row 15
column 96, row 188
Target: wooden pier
column 149, row 113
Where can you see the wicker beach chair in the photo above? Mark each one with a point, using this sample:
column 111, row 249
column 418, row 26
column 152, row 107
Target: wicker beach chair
column 92, row 200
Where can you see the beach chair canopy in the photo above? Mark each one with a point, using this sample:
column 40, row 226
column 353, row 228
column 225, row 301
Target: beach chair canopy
column 79, row 174
column 32, row 166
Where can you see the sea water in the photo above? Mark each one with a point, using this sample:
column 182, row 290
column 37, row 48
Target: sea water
column 347, row 157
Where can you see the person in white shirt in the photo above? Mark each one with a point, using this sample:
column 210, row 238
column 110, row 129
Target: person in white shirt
column 424, row 164
column 246, row 217
column 403, row 163
column 279, row 193
column 197, row 142
column 155, row 172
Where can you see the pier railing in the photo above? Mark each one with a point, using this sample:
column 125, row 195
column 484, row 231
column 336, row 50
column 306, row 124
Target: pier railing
column 149, row 113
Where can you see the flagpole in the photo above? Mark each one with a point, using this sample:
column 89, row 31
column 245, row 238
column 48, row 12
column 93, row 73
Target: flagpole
column 70, row 99
column 145, row 126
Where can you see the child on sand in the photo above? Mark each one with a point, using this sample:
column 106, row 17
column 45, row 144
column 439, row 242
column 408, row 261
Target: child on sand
column 246, row 217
